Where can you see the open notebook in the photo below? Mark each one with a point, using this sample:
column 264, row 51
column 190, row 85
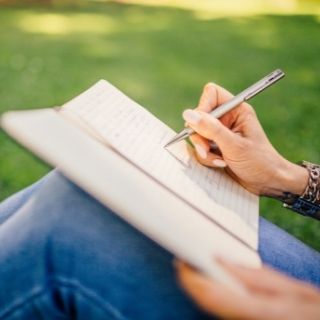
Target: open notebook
column 113, row 148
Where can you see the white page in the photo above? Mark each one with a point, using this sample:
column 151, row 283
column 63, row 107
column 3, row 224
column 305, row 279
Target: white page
column 139, row 136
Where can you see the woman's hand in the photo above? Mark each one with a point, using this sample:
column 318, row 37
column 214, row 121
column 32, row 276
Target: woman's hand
column 270, row 295
column 244, row 149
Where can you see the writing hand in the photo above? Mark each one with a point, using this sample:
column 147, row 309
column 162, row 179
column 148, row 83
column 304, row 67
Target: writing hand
column 245, row 149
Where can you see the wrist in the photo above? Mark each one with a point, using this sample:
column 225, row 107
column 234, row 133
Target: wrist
column 289, row 178
column 295, row 179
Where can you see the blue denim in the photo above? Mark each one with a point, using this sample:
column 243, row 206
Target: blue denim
column 65, row 256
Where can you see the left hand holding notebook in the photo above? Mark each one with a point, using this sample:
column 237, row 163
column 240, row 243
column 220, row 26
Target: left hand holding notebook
column 269, row 294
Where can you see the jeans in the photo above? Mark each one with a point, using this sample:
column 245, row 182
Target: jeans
column 65, row 256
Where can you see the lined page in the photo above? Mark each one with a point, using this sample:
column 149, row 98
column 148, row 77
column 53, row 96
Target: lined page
column 139, row 136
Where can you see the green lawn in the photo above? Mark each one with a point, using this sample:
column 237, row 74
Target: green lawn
column 162, row 56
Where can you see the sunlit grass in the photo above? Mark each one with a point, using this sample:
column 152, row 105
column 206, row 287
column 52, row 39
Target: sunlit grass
column 209, row 9
column 60, row 24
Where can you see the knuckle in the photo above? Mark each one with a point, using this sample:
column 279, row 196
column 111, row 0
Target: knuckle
column 198, row 127
column 206, row 129
column 214, row 129
column 243, row 146
column 208, row 86
column 249, row 110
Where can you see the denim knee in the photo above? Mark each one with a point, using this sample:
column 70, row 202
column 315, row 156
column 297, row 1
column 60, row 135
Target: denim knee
column 84, row 258
column 54, row 253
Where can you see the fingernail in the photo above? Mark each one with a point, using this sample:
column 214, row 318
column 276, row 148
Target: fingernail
column 200, row 151
column 191, row 116
column 219, row 163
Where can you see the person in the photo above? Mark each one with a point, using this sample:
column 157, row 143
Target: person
column 65, row 256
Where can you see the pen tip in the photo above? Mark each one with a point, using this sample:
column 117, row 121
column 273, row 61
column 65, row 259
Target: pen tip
column 168, row 144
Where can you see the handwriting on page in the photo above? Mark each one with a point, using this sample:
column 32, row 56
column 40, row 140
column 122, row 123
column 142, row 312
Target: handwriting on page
column 139, row 136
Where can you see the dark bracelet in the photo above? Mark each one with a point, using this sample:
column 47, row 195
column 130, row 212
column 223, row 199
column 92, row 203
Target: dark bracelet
column 307, row 204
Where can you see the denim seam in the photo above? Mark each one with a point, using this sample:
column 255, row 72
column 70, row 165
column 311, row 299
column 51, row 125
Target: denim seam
column 16, row 305
column 90, row 295
column 86, row 293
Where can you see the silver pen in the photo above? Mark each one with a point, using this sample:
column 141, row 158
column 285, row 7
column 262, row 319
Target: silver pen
column 234, row 102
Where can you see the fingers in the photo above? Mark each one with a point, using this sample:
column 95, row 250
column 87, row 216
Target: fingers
column 210, row 128
column 213, row 96
column 220, row 300
column 265, row 280
column 201, row 146
column 212, row 160
column 216, row 298
column 204, row 154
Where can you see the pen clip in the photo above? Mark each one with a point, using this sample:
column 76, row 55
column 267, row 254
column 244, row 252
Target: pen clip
column 264, row 83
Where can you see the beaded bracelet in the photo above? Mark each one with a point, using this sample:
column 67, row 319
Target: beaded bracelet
column 312, row 191
column 308, row 204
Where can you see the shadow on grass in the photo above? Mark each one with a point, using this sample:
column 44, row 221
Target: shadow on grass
column 162, row 58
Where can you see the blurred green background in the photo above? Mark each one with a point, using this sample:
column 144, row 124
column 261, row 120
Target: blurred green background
column 161, row 53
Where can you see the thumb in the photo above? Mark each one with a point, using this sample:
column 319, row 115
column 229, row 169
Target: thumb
column 210, row 128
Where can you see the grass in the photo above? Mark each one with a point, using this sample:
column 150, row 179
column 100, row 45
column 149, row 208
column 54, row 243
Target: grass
column 162, row 57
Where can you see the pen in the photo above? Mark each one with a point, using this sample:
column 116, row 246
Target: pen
column 234, row 102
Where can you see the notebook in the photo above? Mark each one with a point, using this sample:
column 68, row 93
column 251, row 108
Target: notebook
column 114, row 149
